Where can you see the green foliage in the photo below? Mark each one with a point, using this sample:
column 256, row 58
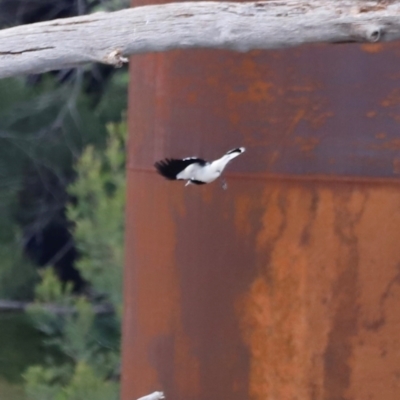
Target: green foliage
column 22, row 346
column 84, row 384
column 46, row 122
column 89, row 342
column 10, row 391
column 99, row 225
column 17, row 275
column 43, row 130
column 51, row 290
column 42, row 383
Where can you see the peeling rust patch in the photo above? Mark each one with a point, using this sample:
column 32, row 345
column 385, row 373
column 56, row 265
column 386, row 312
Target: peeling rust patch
column 284, row 286
column 376, row 324
column 372, row 47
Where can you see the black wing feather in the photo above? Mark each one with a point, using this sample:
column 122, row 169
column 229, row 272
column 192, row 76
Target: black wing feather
column 171, row 167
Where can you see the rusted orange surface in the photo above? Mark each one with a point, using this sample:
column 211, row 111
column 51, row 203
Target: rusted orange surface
column 287, row 285
column 320, row 317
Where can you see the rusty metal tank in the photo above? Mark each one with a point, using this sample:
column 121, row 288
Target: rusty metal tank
column 285, row 286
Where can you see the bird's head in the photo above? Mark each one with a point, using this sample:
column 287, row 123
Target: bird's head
column 237, row 150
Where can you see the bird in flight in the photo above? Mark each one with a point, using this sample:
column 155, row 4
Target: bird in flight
column 195, row 170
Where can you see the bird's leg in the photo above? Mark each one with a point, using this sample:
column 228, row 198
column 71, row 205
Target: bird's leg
column 188, row 183
column 224, row 185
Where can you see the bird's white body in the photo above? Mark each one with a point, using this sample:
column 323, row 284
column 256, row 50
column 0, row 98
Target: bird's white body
column 196, row 170
column 209, row 172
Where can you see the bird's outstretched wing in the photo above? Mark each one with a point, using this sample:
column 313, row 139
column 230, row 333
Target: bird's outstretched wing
column 171, row 167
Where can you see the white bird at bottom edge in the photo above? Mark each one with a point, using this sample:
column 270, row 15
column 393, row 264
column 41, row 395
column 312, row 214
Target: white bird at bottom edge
column 196, row 170
column 153, row 396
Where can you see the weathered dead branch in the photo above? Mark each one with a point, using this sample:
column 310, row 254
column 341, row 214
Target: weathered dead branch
column 111, row 37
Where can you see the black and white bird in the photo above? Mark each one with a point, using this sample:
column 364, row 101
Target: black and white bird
column 195, row 170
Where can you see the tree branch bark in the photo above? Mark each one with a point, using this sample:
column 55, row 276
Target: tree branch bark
column 110, row 37
column 22, row 306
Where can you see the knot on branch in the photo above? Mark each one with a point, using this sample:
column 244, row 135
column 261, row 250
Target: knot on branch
column 374, row 34
column 116, row 58
column 369, row 33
